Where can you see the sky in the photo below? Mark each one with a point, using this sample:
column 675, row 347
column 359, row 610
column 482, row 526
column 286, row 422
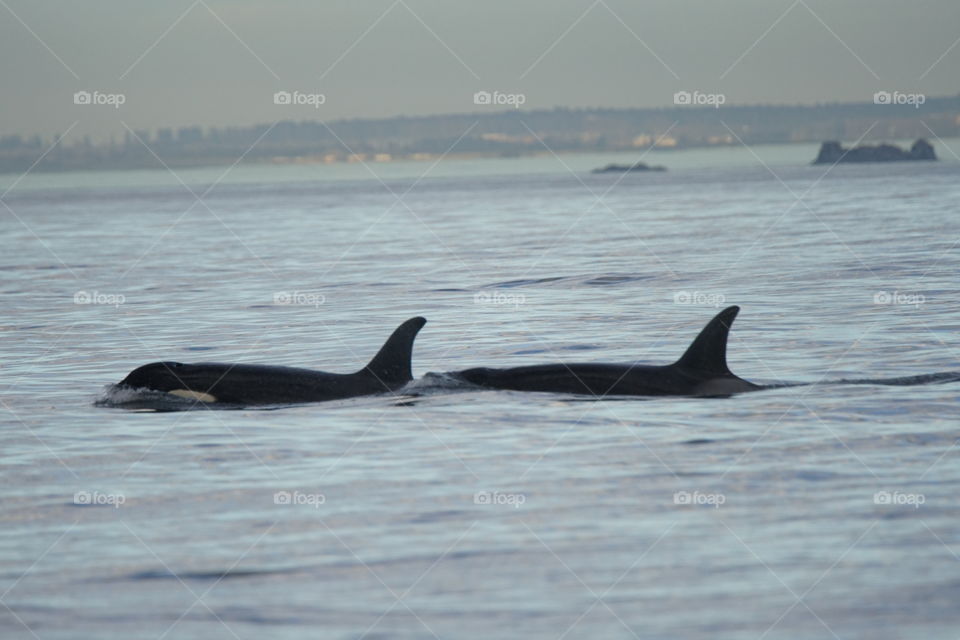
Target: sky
column 176, row 63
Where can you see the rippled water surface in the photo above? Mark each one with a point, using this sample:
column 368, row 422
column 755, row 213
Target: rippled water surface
column 807, row 512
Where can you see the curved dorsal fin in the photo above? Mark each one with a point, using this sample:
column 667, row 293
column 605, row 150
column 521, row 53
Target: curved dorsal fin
column 708, row 352
column 392, row 362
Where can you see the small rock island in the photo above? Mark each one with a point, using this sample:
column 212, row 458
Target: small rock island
column 624, row 168
column 833, row 152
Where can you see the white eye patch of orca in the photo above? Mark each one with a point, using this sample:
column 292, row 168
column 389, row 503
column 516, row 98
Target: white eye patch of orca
column 193, row 395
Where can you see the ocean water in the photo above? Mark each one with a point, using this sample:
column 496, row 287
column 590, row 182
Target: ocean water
column 825, row 511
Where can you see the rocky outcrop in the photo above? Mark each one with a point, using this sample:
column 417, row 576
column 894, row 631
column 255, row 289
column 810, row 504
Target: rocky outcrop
column 623, row 168
column 833, row 152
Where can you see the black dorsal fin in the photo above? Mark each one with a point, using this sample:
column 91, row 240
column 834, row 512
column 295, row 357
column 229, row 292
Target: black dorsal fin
column 392, row 362
column 708, row 352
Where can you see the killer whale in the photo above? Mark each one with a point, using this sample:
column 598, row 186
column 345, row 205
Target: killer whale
column 701, row 371
column 247, row 384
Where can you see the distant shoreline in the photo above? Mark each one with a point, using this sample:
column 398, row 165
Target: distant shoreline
column 420, row 158
column 493, row 133
column 762, row 157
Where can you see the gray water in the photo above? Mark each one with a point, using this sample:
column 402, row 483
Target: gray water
column 807, row 512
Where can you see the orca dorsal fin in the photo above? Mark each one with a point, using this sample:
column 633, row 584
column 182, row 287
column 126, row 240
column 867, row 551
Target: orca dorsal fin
column 708, row 352
column 392, row 362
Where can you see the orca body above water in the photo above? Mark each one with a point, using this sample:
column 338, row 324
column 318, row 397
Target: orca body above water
column 701, row 371
column 245, row 384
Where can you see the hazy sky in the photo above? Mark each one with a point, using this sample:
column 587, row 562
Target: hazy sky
column 219, row 62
